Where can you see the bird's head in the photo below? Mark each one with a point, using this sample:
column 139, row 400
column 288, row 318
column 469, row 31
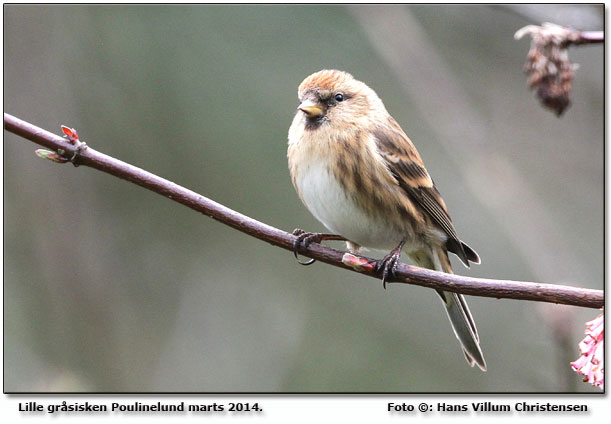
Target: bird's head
column 334, row 98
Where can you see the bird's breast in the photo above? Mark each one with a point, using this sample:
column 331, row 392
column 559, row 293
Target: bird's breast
column 327, row 195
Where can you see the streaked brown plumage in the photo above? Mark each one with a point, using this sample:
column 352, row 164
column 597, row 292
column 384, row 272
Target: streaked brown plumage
column 361, row 176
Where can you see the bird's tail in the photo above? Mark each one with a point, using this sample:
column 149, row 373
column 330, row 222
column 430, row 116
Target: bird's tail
column 458, row 312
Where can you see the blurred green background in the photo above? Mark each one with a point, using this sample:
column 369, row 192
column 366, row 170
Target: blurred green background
column 108, row 287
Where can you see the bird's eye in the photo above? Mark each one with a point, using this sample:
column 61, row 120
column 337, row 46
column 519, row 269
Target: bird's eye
column 339, row 97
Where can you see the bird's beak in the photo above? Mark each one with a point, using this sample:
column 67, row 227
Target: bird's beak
column 311, row 108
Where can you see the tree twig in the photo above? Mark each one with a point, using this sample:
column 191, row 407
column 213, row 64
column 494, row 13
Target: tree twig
column 551, row 293
column 587, row 37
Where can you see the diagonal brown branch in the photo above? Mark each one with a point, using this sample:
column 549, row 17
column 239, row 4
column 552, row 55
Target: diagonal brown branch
column 552, row 293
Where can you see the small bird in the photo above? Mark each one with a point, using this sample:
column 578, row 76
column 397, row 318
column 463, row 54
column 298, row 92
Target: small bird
column 361, row 176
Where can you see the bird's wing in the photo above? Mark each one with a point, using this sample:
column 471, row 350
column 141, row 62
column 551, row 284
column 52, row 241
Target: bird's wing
column 405, row 164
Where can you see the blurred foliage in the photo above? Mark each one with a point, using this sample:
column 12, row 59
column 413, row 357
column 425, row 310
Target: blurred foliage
column 111, row 288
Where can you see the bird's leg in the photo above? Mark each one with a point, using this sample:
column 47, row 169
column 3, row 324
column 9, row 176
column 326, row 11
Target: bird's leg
column 304, row 239
column 388, row 263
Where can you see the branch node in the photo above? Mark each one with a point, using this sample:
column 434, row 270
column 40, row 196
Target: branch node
column 80, row 148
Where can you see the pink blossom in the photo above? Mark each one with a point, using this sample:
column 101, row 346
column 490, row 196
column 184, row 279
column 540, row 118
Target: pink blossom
column 591, row 362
